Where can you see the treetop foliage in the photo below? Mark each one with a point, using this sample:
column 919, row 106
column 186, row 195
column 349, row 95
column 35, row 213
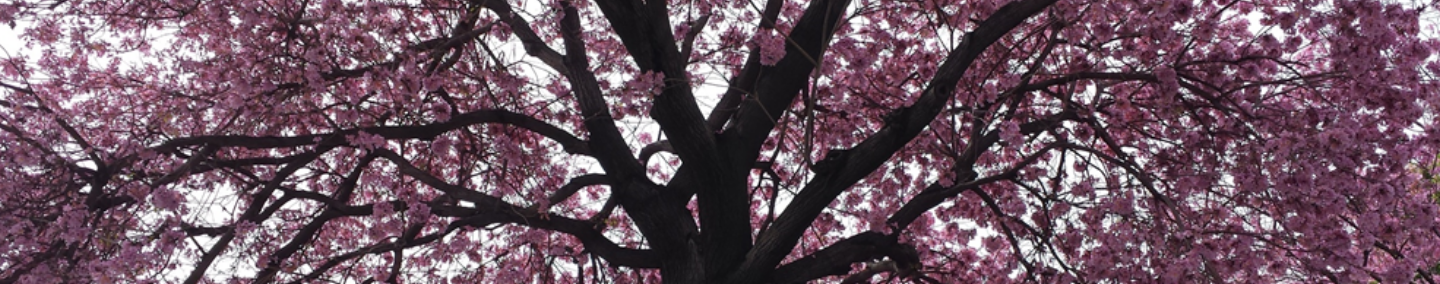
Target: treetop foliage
column 698, row 141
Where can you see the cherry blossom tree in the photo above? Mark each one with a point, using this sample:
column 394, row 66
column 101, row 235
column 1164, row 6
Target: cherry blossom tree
column 694, row 141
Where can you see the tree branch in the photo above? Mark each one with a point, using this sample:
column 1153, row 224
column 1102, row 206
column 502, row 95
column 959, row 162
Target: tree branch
column 307, row 233
column 569, row 142
column 742, row 83
column 498, row 211
column 762, row 98
column 654, row 148
column 575, row 184
column 252, row 212
column 666, row 225
column 645, row 30
column 875, row 150
column 935, row 194
column 836, row 259
column 687, row 45
column 534, row 45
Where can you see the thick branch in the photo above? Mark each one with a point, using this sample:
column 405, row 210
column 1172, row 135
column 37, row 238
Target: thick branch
column 688, row 44
column 645, row 30
column 655, row 148
column 856, row 163
column 534, row 45
column 836, row 259
column 211, row 165
column 718, row 177
column 610, row 146
column 667, row 226
column 497, row 210
column 571, row 144
column 765, row 98
column 741, row 84
column 575, row 185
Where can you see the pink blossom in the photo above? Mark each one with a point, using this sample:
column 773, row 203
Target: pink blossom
column 977, row 141
column 770, row 45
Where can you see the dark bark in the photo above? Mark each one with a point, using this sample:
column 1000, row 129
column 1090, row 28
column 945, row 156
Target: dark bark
column 777, row 241
column 252, row 212
column 667, row 227
column 836, row 259
column 534, row 45
column 568, row 141
column 721, row 190
column 645, row 30
column 493, row 208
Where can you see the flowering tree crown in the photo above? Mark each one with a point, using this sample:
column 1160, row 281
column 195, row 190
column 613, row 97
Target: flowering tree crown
column 697, row 141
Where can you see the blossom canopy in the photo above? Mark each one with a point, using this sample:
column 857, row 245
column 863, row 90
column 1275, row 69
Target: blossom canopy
column 699, row 141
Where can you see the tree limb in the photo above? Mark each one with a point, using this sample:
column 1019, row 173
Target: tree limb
column 497, row 210
column 743, row 83
column 645, row 30
column 875, row 150
column 534, row 45
column 654, row 148
column 569, row 142
column 252, row 212
column 836, row 258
